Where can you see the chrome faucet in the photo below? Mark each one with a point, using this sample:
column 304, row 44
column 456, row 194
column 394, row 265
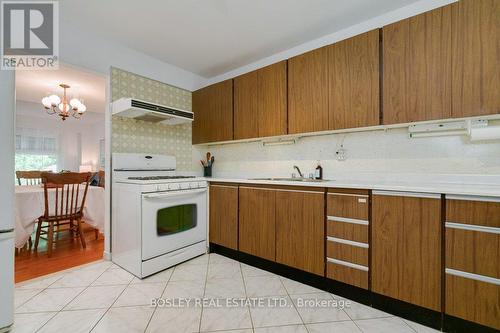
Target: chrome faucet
column 298, row 170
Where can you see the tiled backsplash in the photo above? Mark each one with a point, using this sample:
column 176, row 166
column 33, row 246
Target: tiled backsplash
column 134, row 136
column 371, row 153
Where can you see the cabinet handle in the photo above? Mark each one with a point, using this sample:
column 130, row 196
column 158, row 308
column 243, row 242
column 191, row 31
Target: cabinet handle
column 347, row 220
column 408, row 194
column 347, row 264
column 472, row 227
column 347, row 242
column 473, row 276
column 472, row 198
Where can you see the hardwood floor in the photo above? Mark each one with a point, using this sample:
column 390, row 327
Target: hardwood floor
column 67, row 253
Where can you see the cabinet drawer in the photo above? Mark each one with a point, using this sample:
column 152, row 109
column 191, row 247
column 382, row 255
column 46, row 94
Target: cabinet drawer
column 347, row 252
column 348, row 275
column 472, row 251
column 345, row 230
column 466, row 210
column 473, row 300
column 348, row 205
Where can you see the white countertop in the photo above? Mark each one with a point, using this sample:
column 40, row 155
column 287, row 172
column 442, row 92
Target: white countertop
column 450, row 188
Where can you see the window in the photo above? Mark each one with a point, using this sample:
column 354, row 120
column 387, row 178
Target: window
column 36, row 150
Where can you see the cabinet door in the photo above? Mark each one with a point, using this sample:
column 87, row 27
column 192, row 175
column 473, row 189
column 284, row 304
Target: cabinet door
column 476, row 58
column 246, row 106
column 417, row 68
column 354, row 81
column 308, row 92
column 223, row 224
column 213, row 113
column 300, row 231
column 257, row 227
column 406, row 247
column 260, row 108
column 272, row 100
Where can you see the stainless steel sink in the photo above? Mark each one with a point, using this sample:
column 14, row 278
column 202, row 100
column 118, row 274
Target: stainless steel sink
column 291, row 179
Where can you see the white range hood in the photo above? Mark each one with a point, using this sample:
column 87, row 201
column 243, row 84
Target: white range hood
column 146, row 111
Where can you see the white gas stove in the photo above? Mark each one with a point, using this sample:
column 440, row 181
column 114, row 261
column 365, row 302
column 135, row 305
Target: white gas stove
column 159, row 218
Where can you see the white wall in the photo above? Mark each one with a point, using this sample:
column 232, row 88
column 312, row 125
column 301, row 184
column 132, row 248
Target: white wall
column 90, row 128
column 97, row 54
column 370, row 154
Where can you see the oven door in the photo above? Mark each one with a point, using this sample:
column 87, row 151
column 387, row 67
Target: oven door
column 172, row 220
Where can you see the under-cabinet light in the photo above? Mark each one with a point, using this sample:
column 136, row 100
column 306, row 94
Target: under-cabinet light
column 280, row 142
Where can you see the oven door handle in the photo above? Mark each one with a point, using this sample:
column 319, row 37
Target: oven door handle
column 174, row 194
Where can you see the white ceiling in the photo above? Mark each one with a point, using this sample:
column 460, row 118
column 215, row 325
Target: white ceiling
column 211, row 37
column 32, row 86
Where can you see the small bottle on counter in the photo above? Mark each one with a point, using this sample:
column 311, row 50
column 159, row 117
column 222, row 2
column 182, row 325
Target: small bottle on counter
column 318, row 174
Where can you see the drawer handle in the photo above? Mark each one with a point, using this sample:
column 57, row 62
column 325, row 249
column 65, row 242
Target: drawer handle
column 347, row 264
column 347, row 242
column 473, row 276
column 347, row 220
column 471, row 227
column 349, row 194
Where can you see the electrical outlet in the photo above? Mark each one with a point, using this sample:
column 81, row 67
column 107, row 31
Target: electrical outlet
column 341, row 154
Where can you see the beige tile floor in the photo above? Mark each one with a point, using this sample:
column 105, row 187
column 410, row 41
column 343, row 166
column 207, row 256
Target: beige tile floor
column 102, row 297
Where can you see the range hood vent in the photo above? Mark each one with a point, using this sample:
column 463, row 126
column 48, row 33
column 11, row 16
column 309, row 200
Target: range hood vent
column 155, row 113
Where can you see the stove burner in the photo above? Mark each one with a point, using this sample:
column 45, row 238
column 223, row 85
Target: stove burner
column 160, row 177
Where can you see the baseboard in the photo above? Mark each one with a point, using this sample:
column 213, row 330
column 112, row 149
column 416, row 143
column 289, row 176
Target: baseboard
column 408, row 311
column 106, row 255
column 458, row 325
column 418, row 314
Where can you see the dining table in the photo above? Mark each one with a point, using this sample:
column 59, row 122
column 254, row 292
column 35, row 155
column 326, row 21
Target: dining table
column 30, row 205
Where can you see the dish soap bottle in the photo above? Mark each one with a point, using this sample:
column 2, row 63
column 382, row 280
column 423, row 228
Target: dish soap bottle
column 318, row 174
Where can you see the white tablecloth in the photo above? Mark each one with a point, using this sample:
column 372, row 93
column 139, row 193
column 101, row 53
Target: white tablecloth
column 30, row 205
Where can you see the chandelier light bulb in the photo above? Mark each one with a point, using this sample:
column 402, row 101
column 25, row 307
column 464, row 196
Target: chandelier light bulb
column 75, row 103
column 54, row 100
column 82, row 108
column 46, row 102
column 64, row 107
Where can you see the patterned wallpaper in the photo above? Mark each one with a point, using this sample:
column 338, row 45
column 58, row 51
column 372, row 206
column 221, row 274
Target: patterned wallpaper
column 134, row 136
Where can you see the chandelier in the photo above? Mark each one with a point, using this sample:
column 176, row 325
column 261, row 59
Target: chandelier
column 53, row 104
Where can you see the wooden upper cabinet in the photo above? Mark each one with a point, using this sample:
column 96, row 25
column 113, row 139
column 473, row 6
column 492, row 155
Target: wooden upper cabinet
column 354, row 82
column 257, row 222
column 260, row 105
column 308, row 92
column 224, row 215
column 300, row 229
column 417, row 67
column 213, row 113
column 406, row 248
column 476, row 58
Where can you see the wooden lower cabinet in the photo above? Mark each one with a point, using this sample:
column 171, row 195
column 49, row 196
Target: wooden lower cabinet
column 223, row 224
column 257, row 222
column 473, row 259
column 300, row 230
column 406, row 247
column 347, row 241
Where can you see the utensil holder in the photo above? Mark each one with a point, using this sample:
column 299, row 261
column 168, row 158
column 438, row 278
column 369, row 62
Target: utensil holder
column 207, row 171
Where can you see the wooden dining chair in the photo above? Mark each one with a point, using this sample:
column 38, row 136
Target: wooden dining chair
column 101, row 176
column 69, row 192
column 29, row 177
